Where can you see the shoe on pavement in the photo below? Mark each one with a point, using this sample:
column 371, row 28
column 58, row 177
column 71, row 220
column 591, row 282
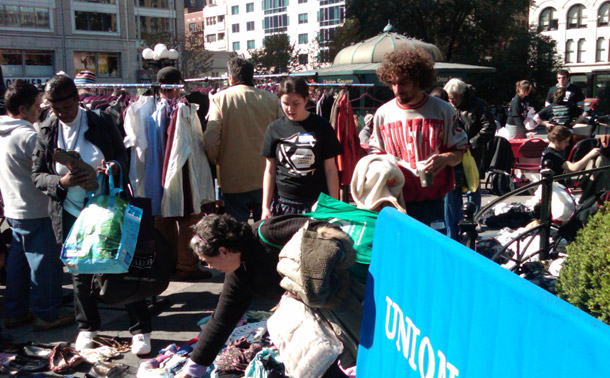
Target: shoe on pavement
column 85, row 340
column 14, row 322
column 62, row 320
column 140, row 344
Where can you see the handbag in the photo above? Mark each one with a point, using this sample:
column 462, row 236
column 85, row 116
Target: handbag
column 103, row 237
column 150, row 269
column 471, row 172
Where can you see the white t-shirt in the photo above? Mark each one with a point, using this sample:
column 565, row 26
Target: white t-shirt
column 71, row 137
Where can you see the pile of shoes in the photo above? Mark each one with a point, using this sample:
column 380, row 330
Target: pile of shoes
column 23, row 359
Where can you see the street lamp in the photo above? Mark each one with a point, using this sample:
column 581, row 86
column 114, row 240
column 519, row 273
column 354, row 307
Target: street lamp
column 159, row 56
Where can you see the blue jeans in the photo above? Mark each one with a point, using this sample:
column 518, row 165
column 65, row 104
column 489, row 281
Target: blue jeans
column 238, row 205
column 429, row 213
column 33, row 262
column 453, row 209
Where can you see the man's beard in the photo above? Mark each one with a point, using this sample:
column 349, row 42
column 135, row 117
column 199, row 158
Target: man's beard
column 404, row 99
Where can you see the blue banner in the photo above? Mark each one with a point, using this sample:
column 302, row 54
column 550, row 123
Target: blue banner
column 436, row 309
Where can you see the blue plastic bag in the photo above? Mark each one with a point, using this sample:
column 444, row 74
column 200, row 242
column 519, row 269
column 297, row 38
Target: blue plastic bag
column 103, row 238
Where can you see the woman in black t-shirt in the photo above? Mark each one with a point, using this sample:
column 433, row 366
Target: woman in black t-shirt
column 559, row 112
column 517, row 112
column 559, row 138
column 300, row 150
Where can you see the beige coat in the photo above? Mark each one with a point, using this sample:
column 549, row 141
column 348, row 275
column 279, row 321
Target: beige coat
column 237, row 120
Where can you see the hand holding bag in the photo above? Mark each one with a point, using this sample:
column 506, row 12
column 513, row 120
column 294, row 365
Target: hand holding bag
column 103, row 238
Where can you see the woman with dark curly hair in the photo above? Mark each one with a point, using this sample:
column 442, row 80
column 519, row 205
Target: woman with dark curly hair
column 420, row 130
column 248, row 255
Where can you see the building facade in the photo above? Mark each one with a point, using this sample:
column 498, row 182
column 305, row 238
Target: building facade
column 242, row 25
column 104, row 36
column 581, row 29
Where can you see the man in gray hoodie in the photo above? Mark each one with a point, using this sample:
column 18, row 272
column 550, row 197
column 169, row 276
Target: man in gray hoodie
column 34, row 270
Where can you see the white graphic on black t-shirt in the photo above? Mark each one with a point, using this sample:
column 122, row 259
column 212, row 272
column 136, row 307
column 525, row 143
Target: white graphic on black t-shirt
column 297, row 155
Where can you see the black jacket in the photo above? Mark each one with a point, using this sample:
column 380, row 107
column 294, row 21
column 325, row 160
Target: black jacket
column 101, row 132
column 257, row 276
column 479, row 124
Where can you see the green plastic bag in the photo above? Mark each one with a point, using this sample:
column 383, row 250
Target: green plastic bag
column 104, row 236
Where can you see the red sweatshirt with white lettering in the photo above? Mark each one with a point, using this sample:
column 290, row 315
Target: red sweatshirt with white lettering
column 414, row 133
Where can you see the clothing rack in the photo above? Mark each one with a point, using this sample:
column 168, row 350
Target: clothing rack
column 137, row 85
column 219, row 78
column 342, row 85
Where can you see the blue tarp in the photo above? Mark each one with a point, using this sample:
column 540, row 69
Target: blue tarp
column 434, row 308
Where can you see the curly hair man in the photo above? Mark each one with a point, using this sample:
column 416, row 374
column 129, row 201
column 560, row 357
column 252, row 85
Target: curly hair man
column 416, row 127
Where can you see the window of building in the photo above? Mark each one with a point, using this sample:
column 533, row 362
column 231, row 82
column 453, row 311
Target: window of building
column 210, row 38
column 235, row 28
column 98, row 1
column 600, row 50
column 152, row 3
column 569, row 51
column 153, row 25
column 221, row 36
column 603, row 16
column 235, row 46
column 249, row 7
column 235, row 9
column 221, row 18
column 274, row 6
column 27, row 63
column 331, row 15
column 580, row 54
column 275, row 24
column 303, row 38
column 328, row 2
column 577, row 17
column 325, row 35
column 303, row 58
column 302, row 1
column 100, row 63
column 14, row 16
column 192, row 27
column 95, row 21
column 210, row 21
column 303, row 18
column 547, row 20
column 251, row 44
column 250, row 25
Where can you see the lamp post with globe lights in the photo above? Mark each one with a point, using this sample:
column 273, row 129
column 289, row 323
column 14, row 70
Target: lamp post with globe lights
column 160, row 56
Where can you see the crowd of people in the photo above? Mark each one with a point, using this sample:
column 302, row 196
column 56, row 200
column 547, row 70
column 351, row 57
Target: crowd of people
column 274, row 159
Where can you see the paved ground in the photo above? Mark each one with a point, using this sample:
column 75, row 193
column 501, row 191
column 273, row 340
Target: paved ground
column 189, row 302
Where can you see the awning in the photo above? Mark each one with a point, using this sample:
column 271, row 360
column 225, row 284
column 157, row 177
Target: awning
column 370, row 68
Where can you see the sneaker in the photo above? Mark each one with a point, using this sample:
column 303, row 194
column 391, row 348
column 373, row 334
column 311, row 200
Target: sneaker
column 62, row 320
column 14, row 322
column 85, row 340
column 140, row 344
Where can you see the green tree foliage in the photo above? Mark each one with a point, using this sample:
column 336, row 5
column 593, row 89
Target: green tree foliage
column 584, row 280
column 466, row 31
column 276, row 55
column 529, row 55
column 345, row 35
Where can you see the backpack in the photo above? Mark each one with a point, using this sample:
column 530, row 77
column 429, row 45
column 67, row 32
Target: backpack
column 500, row 182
